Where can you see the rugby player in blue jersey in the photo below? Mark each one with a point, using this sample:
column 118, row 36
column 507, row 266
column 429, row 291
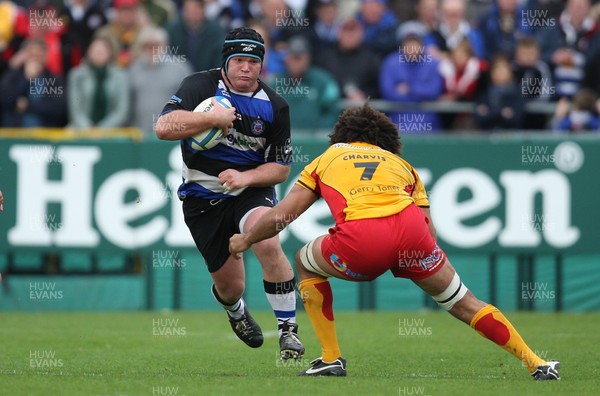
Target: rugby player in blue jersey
column 227, row 188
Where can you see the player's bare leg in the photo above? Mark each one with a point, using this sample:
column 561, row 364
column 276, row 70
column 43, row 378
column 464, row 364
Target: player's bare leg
column 451, row 294
column 280, row 287
column 313, row 271
column 228, row 287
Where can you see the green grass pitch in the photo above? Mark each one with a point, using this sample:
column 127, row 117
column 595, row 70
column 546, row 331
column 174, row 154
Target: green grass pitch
column 195, row 353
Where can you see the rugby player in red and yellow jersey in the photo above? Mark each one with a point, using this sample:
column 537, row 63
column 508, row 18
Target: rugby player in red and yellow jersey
column 382, row 223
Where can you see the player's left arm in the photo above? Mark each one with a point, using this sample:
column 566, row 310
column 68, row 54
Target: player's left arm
column 264, row 175
column 278, row 155
column 275, row 220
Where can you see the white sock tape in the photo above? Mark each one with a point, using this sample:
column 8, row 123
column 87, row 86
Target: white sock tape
column 455, row 291
column 308, row 260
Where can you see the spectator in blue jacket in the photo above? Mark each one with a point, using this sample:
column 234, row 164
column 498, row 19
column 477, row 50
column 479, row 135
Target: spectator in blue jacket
column 502, row 27
column 380, row 25
column 452, row 29
column 411, row 75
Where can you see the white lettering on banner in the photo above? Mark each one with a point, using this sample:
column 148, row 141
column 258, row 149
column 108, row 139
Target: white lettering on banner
column 113, row 214
column 74, row 193
column 448, row 213
column 513, row 195
column 178, row 234
column 521, row 188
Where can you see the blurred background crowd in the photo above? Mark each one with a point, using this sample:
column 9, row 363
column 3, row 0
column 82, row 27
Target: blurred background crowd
column 455, row 65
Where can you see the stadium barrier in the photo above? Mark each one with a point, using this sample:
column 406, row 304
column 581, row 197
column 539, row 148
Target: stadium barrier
column 444, row 107
column 94, row 224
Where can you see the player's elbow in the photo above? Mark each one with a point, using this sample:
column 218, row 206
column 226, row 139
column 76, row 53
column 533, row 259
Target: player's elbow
column 282, row 174
column 161, row 129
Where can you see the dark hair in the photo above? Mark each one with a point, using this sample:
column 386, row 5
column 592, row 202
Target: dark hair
column 499, row 59
column 466, row 46
column 528, row 42
column 109, row 44
column 585, row 99
column 365, row 124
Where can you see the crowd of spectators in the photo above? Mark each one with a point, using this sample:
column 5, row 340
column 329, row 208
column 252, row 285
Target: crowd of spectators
column 114, row 63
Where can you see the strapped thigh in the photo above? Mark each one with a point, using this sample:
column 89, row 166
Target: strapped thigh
column 307, row 259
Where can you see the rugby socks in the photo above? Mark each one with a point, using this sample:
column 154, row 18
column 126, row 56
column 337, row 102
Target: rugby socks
column 318, row 303
column 490, row 323
column 282, row 297
column 235, row 310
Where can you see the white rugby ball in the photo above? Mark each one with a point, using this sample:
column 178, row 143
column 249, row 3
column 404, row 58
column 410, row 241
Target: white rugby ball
column 212, row 136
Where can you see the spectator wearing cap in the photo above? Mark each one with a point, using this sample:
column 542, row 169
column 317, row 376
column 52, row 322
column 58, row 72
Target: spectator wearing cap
column 311, row 92
column 153, row 63
column 198, row 38
column 452, row 28
column 123, row 30
column 353, row 65
column 411, row 75
column 502, row 26
column 97, row 91
column 380, row 25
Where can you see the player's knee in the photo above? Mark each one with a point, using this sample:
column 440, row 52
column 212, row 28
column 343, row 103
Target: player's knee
column 232, row 290
column 302, row 272
column 268, row 252
column 454, row 293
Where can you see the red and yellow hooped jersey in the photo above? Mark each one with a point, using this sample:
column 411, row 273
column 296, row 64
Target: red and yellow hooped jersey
column 362, row 181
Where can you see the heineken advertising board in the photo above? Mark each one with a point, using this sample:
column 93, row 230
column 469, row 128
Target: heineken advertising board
column 488, row 194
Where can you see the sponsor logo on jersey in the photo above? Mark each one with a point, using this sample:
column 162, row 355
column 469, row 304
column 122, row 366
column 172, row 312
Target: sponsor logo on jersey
column 258, row 127
column 239, row 139
column 222, row 91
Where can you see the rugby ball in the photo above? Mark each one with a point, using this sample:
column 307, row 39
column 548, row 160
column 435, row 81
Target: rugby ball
column 212, row 136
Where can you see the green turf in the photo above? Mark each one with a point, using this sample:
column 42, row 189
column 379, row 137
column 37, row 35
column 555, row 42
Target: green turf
column 119, row 354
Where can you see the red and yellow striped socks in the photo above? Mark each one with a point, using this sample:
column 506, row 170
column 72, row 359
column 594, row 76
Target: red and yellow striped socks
column 318, row 302
column 490, row 323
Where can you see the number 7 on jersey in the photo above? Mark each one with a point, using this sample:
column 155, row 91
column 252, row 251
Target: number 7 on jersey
column 369, row 169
